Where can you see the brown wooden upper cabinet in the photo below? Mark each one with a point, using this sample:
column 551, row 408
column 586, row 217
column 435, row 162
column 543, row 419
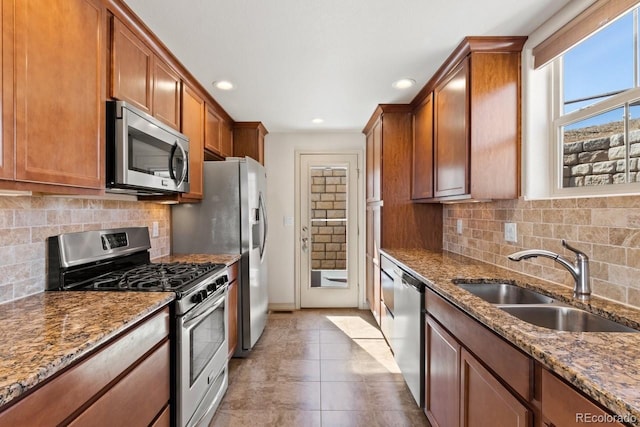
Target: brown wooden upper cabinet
column 248, row 140
column 374, row 162
column 475, row 97
column 140, row 77
column 422, row 165
column 212, row 137
column 218, row 134
column 227, row 139
column 53, row 93
column 193, row 126
column 451, row 134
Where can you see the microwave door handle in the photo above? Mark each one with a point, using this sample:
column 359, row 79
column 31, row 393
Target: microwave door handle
column 184, row 170
column 171, row 156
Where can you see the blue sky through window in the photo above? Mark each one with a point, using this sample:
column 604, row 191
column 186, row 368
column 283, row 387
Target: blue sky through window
column 601, row 64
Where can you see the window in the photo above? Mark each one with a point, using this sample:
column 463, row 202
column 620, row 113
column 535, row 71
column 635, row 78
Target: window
column 596, row 109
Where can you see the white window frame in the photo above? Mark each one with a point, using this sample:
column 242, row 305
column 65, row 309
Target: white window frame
column 542, row 104
column 559, row 120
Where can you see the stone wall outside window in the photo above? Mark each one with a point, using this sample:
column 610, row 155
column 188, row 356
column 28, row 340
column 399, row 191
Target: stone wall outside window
column 600, row 161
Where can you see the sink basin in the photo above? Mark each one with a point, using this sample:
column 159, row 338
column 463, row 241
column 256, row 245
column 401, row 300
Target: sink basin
column 563, row 318
column 504, row 293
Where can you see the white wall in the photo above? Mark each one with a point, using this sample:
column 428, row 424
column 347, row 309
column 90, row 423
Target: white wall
column 280, row 149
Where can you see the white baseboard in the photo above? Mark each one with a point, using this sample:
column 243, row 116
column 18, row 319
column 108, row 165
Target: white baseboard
column 282, row 307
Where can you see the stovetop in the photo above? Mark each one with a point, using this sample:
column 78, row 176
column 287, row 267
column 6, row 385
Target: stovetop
column 118, row 260
column 153, row 277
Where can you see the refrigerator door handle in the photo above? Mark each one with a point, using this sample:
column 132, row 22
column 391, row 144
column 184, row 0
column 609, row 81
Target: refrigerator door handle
column 264, row 222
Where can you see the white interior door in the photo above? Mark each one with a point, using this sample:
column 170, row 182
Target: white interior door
column 328, row 230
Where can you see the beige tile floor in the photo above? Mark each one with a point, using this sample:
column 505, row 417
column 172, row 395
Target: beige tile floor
column 318, row 368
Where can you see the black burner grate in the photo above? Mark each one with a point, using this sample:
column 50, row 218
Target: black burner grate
column 154, row 277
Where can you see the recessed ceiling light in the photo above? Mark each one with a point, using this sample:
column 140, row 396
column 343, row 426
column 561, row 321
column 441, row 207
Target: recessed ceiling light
column 223, row 85
column 317, row 120
column 403, row 83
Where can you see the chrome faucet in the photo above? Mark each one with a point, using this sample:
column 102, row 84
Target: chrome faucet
column 579, row 270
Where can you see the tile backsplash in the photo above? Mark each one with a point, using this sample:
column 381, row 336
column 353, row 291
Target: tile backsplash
column 26, row 222
column 607, row 229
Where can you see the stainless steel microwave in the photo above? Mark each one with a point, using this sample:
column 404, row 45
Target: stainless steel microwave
column 144, row 156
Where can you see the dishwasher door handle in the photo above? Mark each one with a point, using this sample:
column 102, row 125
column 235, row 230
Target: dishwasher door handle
column 412, row 281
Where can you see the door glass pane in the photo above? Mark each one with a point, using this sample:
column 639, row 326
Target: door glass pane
column 594, row 150
column 328, row 217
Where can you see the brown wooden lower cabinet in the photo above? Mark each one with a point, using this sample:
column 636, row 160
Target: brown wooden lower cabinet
column 164, row 419
column 442, row 376
column 134, row 400
column 486, row 402
column 124, row 382
column 564, row 406
column 475, row 378
column 232, row 308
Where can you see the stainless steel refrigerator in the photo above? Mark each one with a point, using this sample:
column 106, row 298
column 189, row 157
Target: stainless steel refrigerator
column 231, row 219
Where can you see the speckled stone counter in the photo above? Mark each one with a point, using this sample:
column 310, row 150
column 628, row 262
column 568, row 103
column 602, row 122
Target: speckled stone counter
column 43, row 333
column 227, row 259
column 603, row 365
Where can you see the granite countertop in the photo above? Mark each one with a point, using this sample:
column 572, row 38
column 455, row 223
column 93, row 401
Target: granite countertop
column 227, row 259
column 46, row 332
column 603, row 365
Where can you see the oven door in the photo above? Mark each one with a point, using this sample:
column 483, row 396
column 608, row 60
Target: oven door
column 201, row 360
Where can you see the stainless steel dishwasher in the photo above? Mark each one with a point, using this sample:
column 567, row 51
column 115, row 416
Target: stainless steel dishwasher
column 407, row 341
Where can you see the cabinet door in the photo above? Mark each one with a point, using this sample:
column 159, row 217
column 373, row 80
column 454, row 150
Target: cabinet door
column 373, row 291
column 166, row 93
column 442, row 380
column 563, row 406
column 374, row 162
column 451, row 99
column 60, row 91
column 193, row 113
column 370, row 259
column 226, row 142
column 132, row 68
column 486, row 402
column 422, row 159
column 248, row 140
column 212, row 131
column 6, row 79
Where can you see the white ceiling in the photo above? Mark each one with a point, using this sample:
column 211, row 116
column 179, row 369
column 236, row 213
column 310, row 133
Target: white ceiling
column 295, row 60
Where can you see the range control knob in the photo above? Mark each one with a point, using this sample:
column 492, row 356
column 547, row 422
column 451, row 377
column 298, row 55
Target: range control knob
column 211, row 287
column 199, row 296
column 196, row 298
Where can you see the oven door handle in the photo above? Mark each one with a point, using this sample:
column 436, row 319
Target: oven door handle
column 190, row 318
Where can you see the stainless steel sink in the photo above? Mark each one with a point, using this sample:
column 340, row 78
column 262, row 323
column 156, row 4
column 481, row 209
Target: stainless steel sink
column 564, row 318
column 504, row 293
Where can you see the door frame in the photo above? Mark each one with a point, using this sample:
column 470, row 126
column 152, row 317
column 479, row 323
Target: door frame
column 360, row 203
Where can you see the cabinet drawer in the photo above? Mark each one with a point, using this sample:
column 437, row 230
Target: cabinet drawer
column 136, row 399
column 563, row 406
column 59, row 398
column 509, row 363
column 164, row 420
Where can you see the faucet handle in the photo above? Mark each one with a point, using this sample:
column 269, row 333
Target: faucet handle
column 578, row 252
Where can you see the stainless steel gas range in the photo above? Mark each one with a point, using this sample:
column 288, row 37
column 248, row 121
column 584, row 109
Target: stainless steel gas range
column 118, row 260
